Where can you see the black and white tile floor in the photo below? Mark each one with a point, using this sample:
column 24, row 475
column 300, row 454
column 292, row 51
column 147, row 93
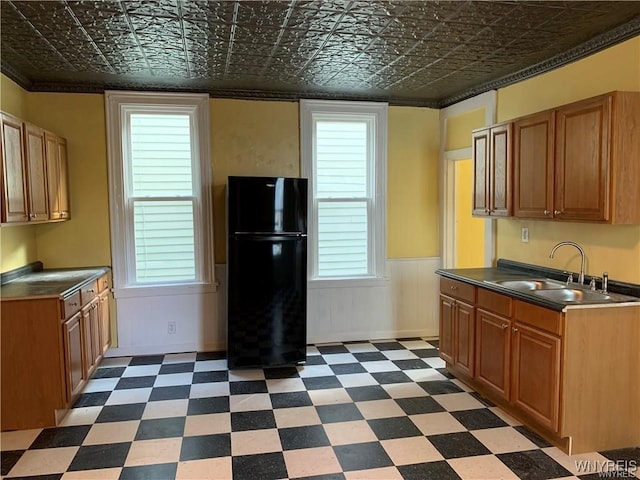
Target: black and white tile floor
column 361, row 410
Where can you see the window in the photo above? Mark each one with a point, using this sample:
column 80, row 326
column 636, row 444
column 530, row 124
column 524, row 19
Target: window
column 344, row 157
column 159, row 178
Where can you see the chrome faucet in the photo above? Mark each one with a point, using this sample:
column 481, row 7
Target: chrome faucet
column 573, row 244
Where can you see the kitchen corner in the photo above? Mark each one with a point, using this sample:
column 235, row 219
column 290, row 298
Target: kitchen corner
column 565, row 368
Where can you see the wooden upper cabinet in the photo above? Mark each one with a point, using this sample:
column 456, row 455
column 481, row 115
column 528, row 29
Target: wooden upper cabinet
column 533, row 165
column 582, row 160
column 492, row 152
column 58, row 190
column 36, row 173
column 480, row 172
column 15, row 206
column 579, row 162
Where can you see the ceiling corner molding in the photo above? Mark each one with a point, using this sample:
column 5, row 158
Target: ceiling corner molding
column 16, row 76
column 612, row 37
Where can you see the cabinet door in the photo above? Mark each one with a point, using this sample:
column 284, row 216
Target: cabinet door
column 447, row 307
column 103, row 316
column 74, row 368
column 57, row 189
column 493, row 347
column 533, row 165
column 500, row 170
column 36, row 173
column 582, row 160
column 536, row 374
column 91, row 335
column 464, row 336
column 14, row 176
column 481, row 172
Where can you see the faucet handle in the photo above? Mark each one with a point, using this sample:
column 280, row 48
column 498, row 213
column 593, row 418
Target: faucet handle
column 569, row 278
column 605, row 282
column 592, row 284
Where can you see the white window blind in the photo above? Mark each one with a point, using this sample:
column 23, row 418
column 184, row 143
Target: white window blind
column 344, row 152
column 162, row 197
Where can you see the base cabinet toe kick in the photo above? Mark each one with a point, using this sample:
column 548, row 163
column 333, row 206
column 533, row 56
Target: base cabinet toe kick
column 572, row 376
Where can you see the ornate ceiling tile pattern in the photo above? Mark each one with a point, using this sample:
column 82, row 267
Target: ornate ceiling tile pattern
column 431, row 53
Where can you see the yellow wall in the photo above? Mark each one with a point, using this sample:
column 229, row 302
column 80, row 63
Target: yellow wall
column 250, row 138
column 469, row 230
column 615, row 249
column 84, row 240
column 17, row 244
column 459, row 129
column 412, row 183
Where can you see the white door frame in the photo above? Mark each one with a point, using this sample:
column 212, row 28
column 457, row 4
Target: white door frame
column 488, row 101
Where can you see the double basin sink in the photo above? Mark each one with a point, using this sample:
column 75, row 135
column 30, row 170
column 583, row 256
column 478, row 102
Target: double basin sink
column 568, row 293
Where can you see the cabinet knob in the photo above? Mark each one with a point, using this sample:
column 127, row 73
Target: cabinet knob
column 514, row 329
column 505, row 326
column 486, row 210
column 73, row 304
column 547, row 212
column 32, row 215
column 557, row 212
column 91, row 290
column 453, row 287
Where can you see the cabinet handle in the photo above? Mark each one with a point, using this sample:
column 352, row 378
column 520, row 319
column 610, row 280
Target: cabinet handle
column 91, row 290
column 557, row 212
column 547, row 212
column 32, row 215
column 514, row 329
column 73, row 304
column 505, row 326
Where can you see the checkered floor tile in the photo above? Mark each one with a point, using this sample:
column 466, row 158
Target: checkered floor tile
column 355, row 410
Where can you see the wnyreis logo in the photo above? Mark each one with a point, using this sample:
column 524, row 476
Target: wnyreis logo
column 608, row 468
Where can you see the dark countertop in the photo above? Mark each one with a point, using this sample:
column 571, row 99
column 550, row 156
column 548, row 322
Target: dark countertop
column 46, row 283
column 511, row 270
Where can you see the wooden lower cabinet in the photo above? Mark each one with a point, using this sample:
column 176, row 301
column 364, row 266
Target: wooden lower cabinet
column 49, row 349
column 104, row 321
column 493, row 352
column 75, row 376
column 447, row 308
column 91, row 334
column 557, row 372
column 536, row 374
column 464, row 337
column 457, row 328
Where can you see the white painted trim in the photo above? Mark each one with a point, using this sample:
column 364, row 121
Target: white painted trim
column 488, row 101
column 164, row 349
column 377, row 112
column 348, row 282
column 459, row 154
column 116, row 102
column 161, row 290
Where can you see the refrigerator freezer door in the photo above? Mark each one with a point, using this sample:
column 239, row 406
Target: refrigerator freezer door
column 267, row 301
column 267, row 204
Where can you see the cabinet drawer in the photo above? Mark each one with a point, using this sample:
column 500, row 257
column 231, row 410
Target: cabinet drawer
column 70, row 305
column 456, row 289
column 539, row 317
column 494, row 302
column 88, row 292
column 103, row 283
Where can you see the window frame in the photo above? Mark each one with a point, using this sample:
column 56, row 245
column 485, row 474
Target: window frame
column 375, row 114
column 119, row 107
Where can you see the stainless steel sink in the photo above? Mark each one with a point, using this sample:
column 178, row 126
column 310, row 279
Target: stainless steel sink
column 528, row 285
column 576, row 295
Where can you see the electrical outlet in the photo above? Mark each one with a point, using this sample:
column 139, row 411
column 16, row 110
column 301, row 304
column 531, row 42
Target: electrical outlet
column 172, row 328
column 524, row 235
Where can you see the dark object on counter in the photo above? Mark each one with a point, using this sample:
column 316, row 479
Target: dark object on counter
column 266, row 271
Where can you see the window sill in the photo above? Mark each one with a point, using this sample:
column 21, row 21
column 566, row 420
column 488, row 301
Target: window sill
column 348, row 282
column 162, row 290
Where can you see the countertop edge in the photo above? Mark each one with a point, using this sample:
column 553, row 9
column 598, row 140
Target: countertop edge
column 495, row 273
column 93, row 273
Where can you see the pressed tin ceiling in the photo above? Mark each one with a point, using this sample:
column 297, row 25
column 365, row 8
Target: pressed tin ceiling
column 427, row 53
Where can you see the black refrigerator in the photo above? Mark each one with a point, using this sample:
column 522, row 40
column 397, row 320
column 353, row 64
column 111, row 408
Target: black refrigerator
column 266, row 271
